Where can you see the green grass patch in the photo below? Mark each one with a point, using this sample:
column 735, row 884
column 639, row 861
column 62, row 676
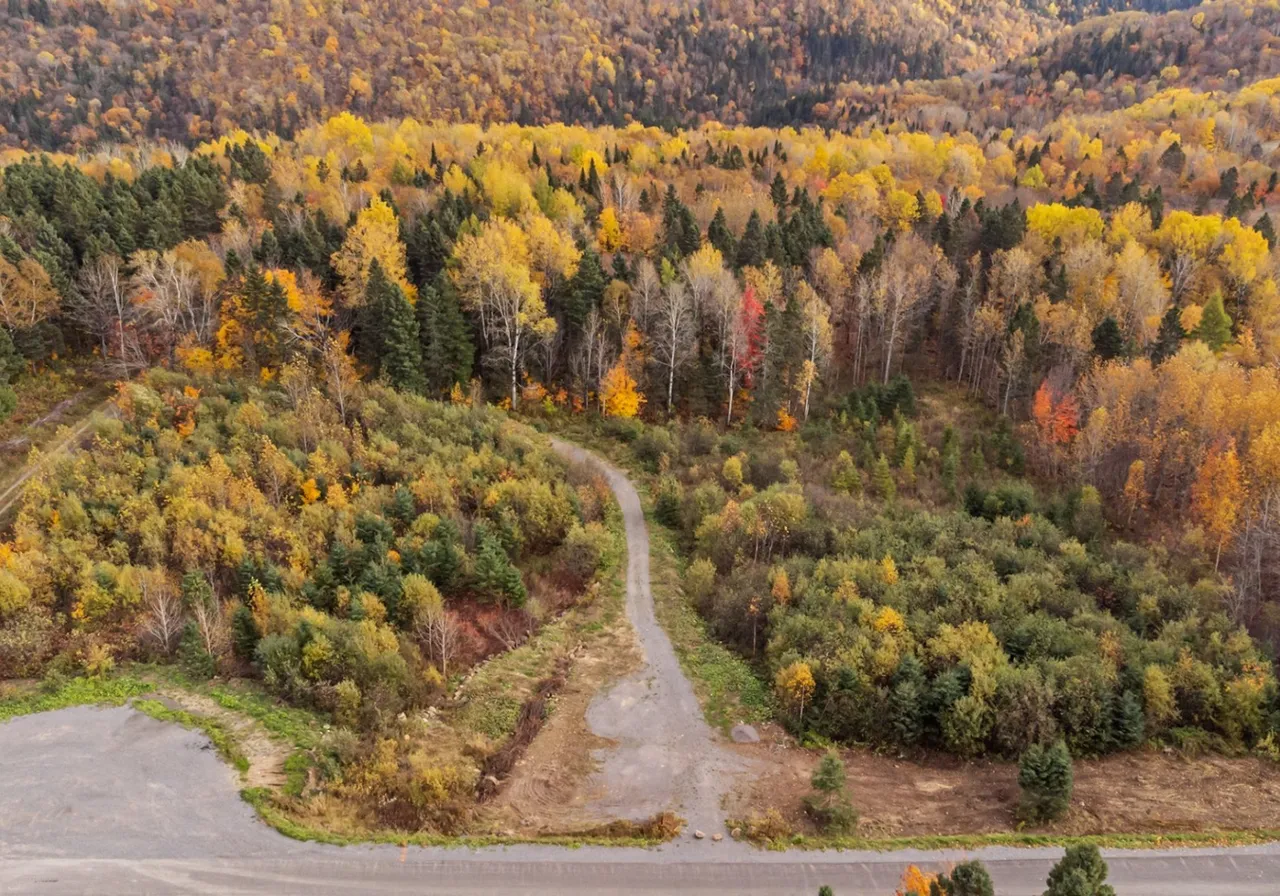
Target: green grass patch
column 726, row 685
column 113, row 691
column 221, row 737
column 1029, row 840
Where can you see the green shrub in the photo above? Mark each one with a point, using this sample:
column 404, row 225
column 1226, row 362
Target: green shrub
column 1045, row 781
column 966, row 879
column 829, row 803
column 1081, row 872
column 584, row 550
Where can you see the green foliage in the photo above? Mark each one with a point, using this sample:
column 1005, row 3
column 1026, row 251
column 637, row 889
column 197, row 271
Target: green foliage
column 1045, row 782
column 829, row 803
column 1081, row 872
column 965, row 879
column 495, row 574
column 60, row 693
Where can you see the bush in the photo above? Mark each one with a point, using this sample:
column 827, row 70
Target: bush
column 26, row 643
column 668, row 502
column 829, row 803
column 650, row 447
column 966, row 879
column 1045, row 780
column 1081, row 872
column 584, row 551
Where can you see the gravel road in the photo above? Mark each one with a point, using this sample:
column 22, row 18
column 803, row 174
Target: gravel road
column 110, row 801
column 667, row 757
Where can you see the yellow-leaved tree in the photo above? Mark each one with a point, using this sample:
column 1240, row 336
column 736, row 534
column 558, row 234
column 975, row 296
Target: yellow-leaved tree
column 374, row 237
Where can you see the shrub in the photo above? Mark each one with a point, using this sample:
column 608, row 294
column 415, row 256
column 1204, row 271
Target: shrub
column 668, row 502
column 966, row 879
column 1081, row 872
column 829, row 803
column 1045, row 781
column 650, row 447
column 584, row 551
column 26, row 642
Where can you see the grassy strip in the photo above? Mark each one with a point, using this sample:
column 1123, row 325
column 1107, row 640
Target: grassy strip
column 262, row 801
column 218, row 734
column 75, row 692
column 1183, row 839
column 730, row 692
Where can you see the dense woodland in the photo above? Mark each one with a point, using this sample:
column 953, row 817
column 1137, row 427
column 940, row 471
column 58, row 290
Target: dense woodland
column 78, row 72
column 963, row 410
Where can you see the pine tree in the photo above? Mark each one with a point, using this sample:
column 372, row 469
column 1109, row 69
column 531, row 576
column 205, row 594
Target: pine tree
column 845, row 476
column 1081, row 872
column 448, row 352
column 1169, row 339
column 751, row 250
column 1264, row 226
column 1045, row 779
column 401, row 360
column 966, row 879
column 882, row 479
column 1215, row 324
column 1128, row 724
column 496, row 575
column 1108, row 341
column 718, row 235
column 585, row 289
column 778, row 192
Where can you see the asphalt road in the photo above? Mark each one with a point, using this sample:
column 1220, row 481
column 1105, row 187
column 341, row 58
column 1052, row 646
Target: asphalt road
column 109, row 801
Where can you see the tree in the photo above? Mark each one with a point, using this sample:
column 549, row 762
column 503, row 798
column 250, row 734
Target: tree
column 1218, row 494
column 1081, row 872
column 493, row 279
column 1215, row 324
column 672, row 328
column 374, row 237
column 845, row 476
column 966, row 879
column 829, row 803
column 619, row 396
column 904, row 289
column 796, row 685
column 101, row 305
column 1045, row 780
column 27, row 296
column 1108, row 341
column 882, row 479
column 163, row 619
column 401, row 358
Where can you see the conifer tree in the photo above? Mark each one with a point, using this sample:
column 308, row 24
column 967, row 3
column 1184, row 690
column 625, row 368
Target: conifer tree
column 1215, row 324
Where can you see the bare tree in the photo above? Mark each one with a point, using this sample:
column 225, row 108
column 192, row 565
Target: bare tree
column 904, row 289
column 439, row 633
column 101, row 305
column 671, row 329
column 211, row 626
column 163, row 618
column 646, row 289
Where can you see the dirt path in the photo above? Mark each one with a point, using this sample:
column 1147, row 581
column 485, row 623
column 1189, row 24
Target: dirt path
column 666, row 756
column 12, row 491
column 265, row 754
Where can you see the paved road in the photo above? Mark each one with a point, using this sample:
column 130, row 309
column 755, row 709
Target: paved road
column 109, row 801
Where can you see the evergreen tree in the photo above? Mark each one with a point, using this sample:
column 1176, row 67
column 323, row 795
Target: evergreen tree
column 844, row 475
column 1215, row 324
column 751, row 251
column 1081, row 872
column 882, row 479
column 1045, row 779
column 448, row 352
column 778, row 192
column 401, row 360
column 585, row 289
column 719, row 236
column 1264, row 226
column 1108, row 341
column 1129, row 723
column 966, row 879
column 495, row 574
column 1169, row 339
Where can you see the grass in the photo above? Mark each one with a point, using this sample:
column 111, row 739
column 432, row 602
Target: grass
column 730, row 692
column 1186, row 839
column 218, row 734
column 114, row 691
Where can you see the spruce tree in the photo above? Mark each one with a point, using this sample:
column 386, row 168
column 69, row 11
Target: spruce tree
column 1045, row 779
column 495, row 574
column 401, row 361
column 966, row 879
column 1108, row 341
column 1215, row 324
column 882, row 479
column 751, row 250
column 448, row 352
column 1169, row 339
column 719, row 236
column 845, row 476
column 1081, row 872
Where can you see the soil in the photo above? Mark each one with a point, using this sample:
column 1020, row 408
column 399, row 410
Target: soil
column 266, row 755
column 1140, row 792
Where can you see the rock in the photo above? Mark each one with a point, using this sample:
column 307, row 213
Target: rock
column 717, row 837
column 744, row 734
column 698, row 835
column 736, row 833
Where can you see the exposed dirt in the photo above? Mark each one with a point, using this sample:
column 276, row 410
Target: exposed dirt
column 266, row 755
column 1142, row 792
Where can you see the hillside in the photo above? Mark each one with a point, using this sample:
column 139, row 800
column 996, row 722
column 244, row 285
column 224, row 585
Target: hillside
column 77, row 72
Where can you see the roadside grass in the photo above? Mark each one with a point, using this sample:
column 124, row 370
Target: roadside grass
column 109, row 691
column 1168, row 840
column 219, row 735
column 729, row 691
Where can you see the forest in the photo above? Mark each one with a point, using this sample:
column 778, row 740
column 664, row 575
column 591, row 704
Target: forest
column 960, row 407
column 75, row 73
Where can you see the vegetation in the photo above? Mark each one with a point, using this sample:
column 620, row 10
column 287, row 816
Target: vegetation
column 1044, row 777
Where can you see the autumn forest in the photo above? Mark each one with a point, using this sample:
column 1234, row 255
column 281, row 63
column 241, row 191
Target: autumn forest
column 943, row 345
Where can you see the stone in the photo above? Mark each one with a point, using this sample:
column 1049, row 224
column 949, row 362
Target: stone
column 745, row 734
column 736, row 833
column 717, row 837
column 698, row 835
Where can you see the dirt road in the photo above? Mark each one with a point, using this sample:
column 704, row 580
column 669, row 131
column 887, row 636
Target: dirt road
column 666, row 757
